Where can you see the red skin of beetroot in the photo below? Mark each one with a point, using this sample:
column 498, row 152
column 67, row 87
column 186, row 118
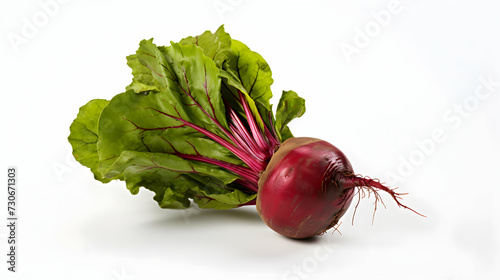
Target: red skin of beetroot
column 303, row 191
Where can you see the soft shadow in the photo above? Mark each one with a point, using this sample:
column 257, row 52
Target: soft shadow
column 310, row 240
column 197, row 216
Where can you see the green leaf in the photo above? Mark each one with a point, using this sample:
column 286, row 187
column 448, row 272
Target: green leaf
column 248, row 72
column 138, row 122
column 83, row 136
column 176, row 180
column 241, row 69
column 168, row 131
column 253, row 73
column 222, row 201
column 216, row 46
column 142, row 131
column 290, row 106
column 139, row 169
column 143, row 80
column 189, row 80
column 189, row 89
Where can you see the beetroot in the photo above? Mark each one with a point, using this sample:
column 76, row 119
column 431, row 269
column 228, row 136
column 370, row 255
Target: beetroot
column 196, row 125
column 308, row 186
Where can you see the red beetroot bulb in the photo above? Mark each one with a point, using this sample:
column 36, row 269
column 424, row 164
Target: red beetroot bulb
column 307, row 187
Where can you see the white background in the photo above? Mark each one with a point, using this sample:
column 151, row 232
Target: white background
column 405, row 80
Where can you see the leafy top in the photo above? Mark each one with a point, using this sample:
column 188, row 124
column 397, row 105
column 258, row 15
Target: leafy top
column 195, row 123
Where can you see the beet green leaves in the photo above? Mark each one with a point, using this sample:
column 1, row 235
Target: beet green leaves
column 195, row 124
